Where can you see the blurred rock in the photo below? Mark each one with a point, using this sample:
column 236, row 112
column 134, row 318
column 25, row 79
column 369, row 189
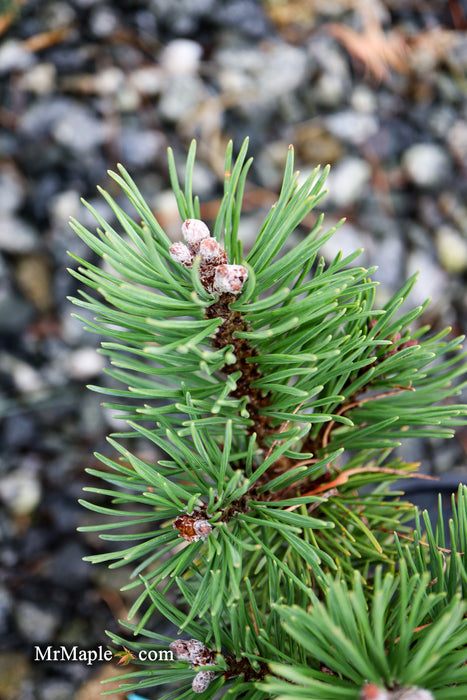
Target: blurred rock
column 20, row 491
column 56, row 690
column 181, row 96
column 103, row 22
column 39, row 79
column 6, row 601
column 35, row 623
column 15, row 57
column 79, row 129
column 11, row 191
column 83, row 363
column 452, row 249
column 347, row 181
column 426, row 164
column 353, row 127
column 181, row 56
column 140, row 147
column 16, row 235
column 431, row 281
column 33, row 276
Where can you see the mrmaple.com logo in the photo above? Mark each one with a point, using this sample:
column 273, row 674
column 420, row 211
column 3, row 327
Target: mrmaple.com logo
column 90, row 656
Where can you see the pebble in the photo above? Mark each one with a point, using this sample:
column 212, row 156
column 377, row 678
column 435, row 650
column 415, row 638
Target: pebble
column 347, row 240
column 20, row 491
column 452, row 249
column 351, row 126
column 181, row 56
column 348, row 182
column 17, row 236
column 56, row 690
column 181, row 96
column 40, row 79
column 14, row 57
column 79, row 130
column 245, row 16
column 103, row 22
column 11, row 190
column 140, row 147
column 33, row 276
column 431, row 281
column 36, row 624
column 83, row 363
column 426, row 164
column 261, row 76
column 6, row 601
column 148, row 81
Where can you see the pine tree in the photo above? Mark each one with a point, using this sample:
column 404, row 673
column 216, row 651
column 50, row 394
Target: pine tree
column 268, row 535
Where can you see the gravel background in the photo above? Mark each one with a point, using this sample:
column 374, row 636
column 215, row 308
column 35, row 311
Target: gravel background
column 378, row 90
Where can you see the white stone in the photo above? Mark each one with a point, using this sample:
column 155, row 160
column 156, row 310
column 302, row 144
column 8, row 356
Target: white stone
column 39, row 79
column 452, row 249
column 347, row 181
column 83, row 363
column 181, row 56
column 426, row 164
column 20, row 491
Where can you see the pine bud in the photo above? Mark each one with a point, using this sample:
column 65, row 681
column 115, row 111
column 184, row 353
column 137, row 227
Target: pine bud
column 230, row 279
column 200, row 654
column 180, row 649
column 372, row 692
column 194, row 231
column 192, row 527
column 211, row 253
column 202, row 680
column 181, row 254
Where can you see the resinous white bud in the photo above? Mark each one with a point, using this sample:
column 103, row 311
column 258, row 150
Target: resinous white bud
column 414, row 694
column 181, row 650
column 194, row 231
column 202, row 680
column 181, row 254
column 202, row 528
column 211, row 253
column 230, row 279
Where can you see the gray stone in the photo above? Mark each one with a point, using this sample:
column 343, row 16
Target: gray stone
column 141, row 147
column 39, row 118
column 103, row 22
column 431, row 282
column 426, row 164
column 20, row 491
column 388, row 254
column 346, row 240
column 15, row 57
column 352, row 127
column 261, row 76
column 181, row 95
column 17, row 236
column 79, row 129
column 15, row 314
column 5, row 608
column 11, row 191
column 34, row 623
column 347, row 181
column 56, row 690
